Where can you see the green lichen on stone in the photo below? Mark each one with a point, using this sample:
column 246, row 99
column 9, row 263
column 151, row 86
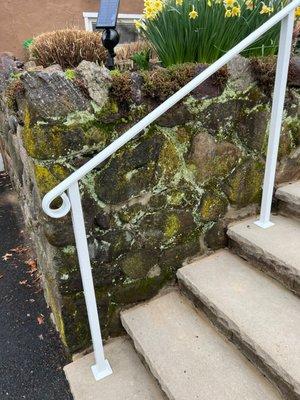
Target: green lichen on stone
column 169, row 160
column 80, row 118
column 172, row 162
column 95, row 135
column 45, row 141
column 109, row 109
column 292, row 125
column 213, row 206
column 175, row 198
column 245, row 184
column 132, row 214
column 172, row 226
column 47, row 177
column 137, row 264
column 132, row 291
column 76, row 323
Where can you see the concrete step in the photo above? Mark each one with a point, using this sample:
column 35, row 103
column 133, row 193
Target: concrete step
column 254, row 311
column 289, row 199
column 130, row 379
column 187, row 355
column 275, row 251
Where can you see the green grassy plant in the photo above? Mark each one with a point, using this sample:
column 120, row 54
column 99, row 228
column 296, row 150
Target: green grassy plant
column 142, row 59
column 203, row 30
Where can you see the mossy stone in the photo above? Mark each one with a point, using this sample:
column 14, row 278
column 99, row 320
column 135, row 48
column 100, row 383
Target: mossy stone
column 212, row 159
column 174, row 256
column 132, row 213
column 140, row 289
column 245, row 184
column 74, row 313
column 59, row 232
column 130, row 172
column 158, row 200
column 213, row 206
column 169, row 160
column 47, row 177
column 77, row 331
column 165, row 226
column 215, row 236
column 119, row 242
column 137, row 264
column 47, row 141
column 242, row 119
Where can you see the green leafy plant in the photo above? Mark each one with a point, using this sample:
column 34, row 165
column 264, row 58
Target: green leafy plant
column 142, row 59
column 203, row 30
column 27, row 43
column 70, row 74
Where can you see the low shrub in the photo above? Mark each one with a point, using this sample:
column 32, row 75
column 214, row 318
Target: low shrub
column 264, row 72
column 121, row 88
column 160, row 83
column 67, row 47
column 203, row 30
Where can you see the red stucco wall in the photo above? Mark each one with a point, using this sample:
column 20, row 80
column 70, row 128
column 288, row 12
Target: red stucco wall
column 23, row 19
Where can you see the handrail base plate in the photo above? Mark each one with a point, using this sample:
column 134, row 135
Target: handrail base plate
column 103, row 373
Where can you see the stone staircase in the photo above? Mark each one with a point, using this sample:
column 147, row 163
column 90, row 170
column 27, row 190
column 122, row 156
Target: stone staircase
column 232, row 332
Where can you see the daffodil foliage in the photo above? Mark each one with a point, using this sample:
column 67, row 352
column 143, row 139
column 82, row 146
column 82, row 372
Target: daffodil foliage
column 203, row 30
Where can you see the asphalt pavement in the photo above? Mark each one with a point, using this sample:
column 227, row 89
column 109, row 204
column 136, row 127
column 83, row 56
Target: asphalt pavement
column 31, row 354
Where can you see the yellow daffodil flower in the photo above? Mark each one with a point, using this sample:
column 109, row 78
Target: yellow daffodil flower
column 266, row 10
column 297, row 12
column 249, row 4
column 228, row 13
column 229, row 3
column 236, row 11
column 152, row 8
column 179, row 2
column 158, row 5
column 193, row 14
column 209, row 3
column 138, row 24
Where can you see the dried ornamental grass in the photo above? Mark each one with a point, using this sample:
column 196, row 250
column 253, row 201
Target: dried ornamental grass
column 67, row 47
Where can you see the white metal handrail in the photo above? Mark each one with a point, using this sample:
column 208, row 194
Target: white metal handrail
column 72, row 201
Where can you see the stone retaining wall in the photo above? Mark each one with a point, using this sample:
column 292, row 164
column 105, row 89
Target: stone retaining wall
column 165, row 197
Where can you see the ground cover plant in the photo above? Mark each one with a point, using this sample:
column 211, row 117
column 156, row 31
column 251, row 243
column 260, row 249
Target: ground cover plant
column 203, row 30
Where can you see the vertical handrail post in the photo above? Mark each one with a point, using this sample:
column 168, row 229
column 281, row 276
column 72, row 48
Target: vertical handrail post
column 283, row 60
column 101, row 369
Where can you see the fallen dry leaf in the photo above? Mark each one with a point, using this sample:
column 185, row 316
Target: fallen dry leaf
column 19, row 249
column 1, row 276
column 40, row 319
column 32, row 266
column 6, row 256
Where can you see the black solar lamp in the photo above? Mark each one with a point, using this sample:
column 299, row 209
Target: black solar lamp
column 107, row 20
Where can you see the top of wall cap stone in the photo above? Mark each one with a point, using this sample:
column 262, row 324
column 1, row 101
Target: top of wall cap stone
column 96, row 79
column 8, row 65
column 50, row 94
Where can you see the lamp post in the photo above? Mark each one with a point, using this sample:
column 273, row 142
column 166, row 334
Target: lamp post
column 107, row 20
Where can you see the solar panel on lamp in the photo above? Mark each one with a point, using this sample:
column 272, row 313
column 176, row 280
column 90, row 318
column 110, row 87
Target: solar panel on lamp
column 108, row 14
